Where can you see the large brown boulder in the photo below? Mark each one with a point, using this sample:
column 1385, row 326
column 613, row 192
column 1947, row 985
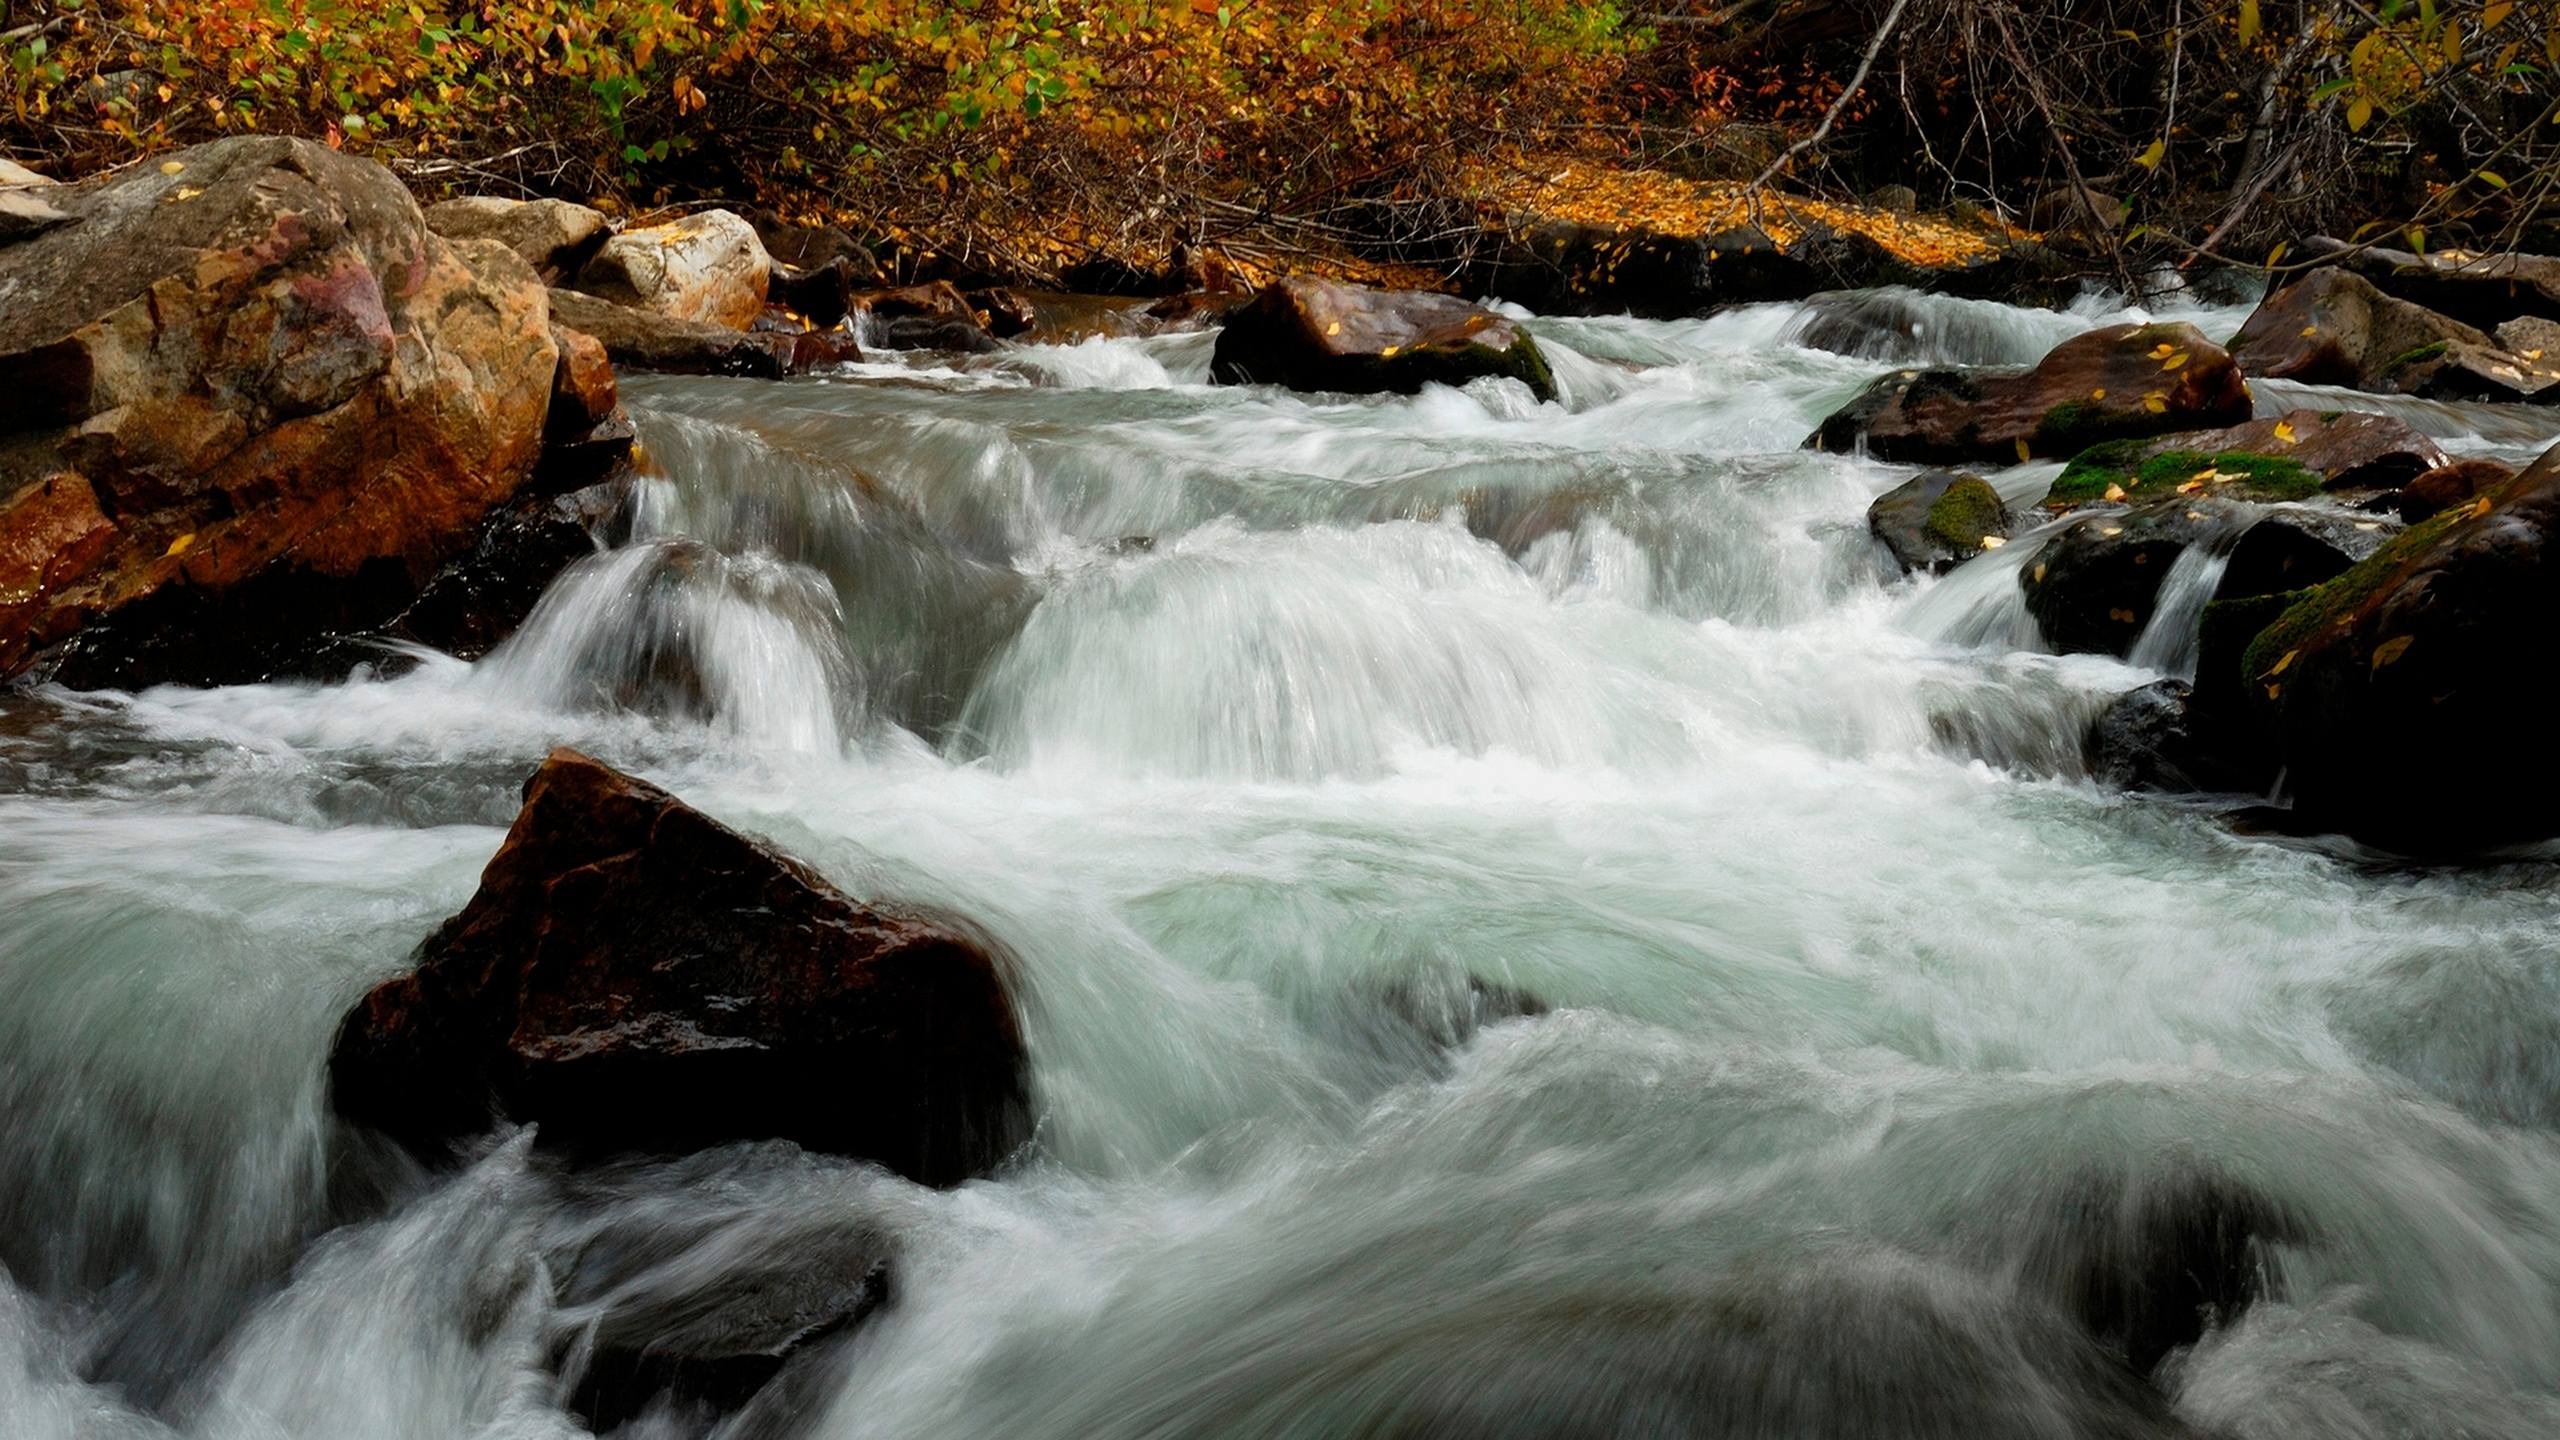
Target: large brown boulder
column 2335, row 327
column 635, row 976
column 247, row 391
column 706, row 269
column 2120, row 382
column 2483, row 291
column 1312, row 334
column 2385, row 692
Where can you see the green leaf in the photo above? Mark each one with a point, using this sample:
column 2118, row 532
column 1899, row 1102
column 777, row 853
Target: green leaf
column 2494, row 179
column 2333, row 87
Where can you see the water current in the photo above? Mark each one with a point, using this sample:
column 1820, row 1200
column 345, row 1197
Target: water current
column 1523, row 925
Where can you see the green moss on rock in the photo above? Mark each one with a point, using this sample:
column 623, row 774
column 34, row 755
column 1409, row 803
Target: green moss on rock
column 2415, row 355
column 2336, row 600
column 1969, row 510
column 2243, row 476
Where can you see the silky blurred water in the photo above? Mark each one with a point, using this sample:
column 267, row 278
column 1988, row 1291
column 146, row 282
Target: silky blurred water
column 1522, row 923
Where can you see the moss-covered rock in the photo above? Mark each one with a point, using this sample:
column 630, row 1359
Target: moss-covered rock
column 2119, row 472
column 1938, row 520
column 1311, row 334
column 2372, row 687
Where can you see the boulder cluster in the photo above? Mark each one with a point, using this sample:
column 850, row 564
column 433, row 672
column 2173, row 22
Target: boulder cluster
column 2377, row 599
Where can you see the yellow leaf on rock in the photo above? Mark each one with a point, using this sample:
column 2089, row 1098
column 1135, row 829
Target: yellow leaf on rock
column 2175, row 362
column 2024, row 454
column 1993, row 542
column 2286, row 659
column 179, row 545
column 2391, row 649
column 2310, row 329
column 2156, row 403
column 2284, row 431
column 2115, row 492
column 2098, row 394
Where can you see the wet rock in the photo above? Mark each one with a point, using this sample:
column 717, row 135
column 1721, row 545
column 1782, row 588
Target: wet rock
column 2094, row 585
column 706, row 269
column 481, row 596
column 584, row 393
column 2481, row 291
column 2333, row 327
column 684, row 1314
column 2288, row 457
column 2449, row 485
column 1198, row 309
column 2120, row 382
column 823, row 296
column 202, row 379
column 1938, row 520
column 553, row 236
column 1003, row 313
column 1312, row 334
column 645, row 340
column 2297, row 547
column 2080, row 215
column 1894, row 199
column 2146, row 1262
column 2458, row 370
column 2432, row 647
column 2147, row 739
column 934, row 316
column 634, row 976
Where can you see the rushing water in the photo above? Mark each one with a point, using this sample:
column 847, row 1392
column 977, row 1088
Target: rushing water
column 1285, row 743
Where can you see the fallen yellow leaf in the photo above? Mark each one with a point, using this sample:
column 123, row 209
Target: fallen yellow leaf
column 1993, row 542
column 2115, row 492
column 2156, row 403
column 2024, row 454
column 2175, row 362
column 179, row 545
column 2392, row 649
column 2098, row 394
column 2284, row 431
column 2282, row 661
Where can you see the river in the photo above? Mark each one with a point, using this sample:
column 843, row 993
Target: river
column 1522, row 927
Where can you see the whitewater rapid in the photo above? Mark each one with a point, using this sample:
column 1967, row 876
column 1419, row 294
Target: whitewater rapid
column 1286, row 744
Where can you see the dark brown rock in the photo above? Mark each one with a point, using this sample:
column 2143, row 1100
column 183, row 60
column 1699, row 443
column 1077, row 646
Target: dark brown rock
column 284, row 399
column 933, row 316
column 1312, row 334
column 2333, row 327
column 2348, row 449
column 2449, row 485
column 2120, row 382
column 634, row 976
column 2481, row 291
column 2390, row 693
column 1003, row 313
column 2094, row 584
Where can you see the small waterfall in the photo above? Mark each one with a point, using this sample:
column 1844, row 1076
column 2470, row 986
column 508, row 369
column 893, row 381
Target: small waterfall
column 2168, row 643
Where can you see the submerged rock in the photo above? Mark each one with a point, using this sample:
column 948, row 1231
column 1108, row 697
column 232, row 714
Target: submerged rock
column 932, row 316
column 1312, row 334
column 634, row 976
column 681, row 1313
column 253, row 400
column 2431, row 649
column 707, row 268
column 1938, row 520
column 2123, row 381
column 2146, row 1263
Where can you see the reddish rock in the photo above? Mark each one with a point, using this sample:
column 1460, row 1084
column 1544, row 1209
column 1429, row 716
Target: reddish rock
column 2120, row 382
column 634, row 976
column 584, row 393
column 644, row 340
column 291, row 399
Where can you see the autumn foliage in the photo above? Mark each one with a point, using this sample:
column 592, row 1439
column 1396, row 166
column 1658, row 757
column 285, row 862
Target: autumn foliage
column 1089, row 113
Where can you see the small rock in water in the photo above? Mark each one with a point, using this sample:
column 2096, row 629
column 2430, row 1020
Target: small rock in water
column 1937, row 520
column 634, row 976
